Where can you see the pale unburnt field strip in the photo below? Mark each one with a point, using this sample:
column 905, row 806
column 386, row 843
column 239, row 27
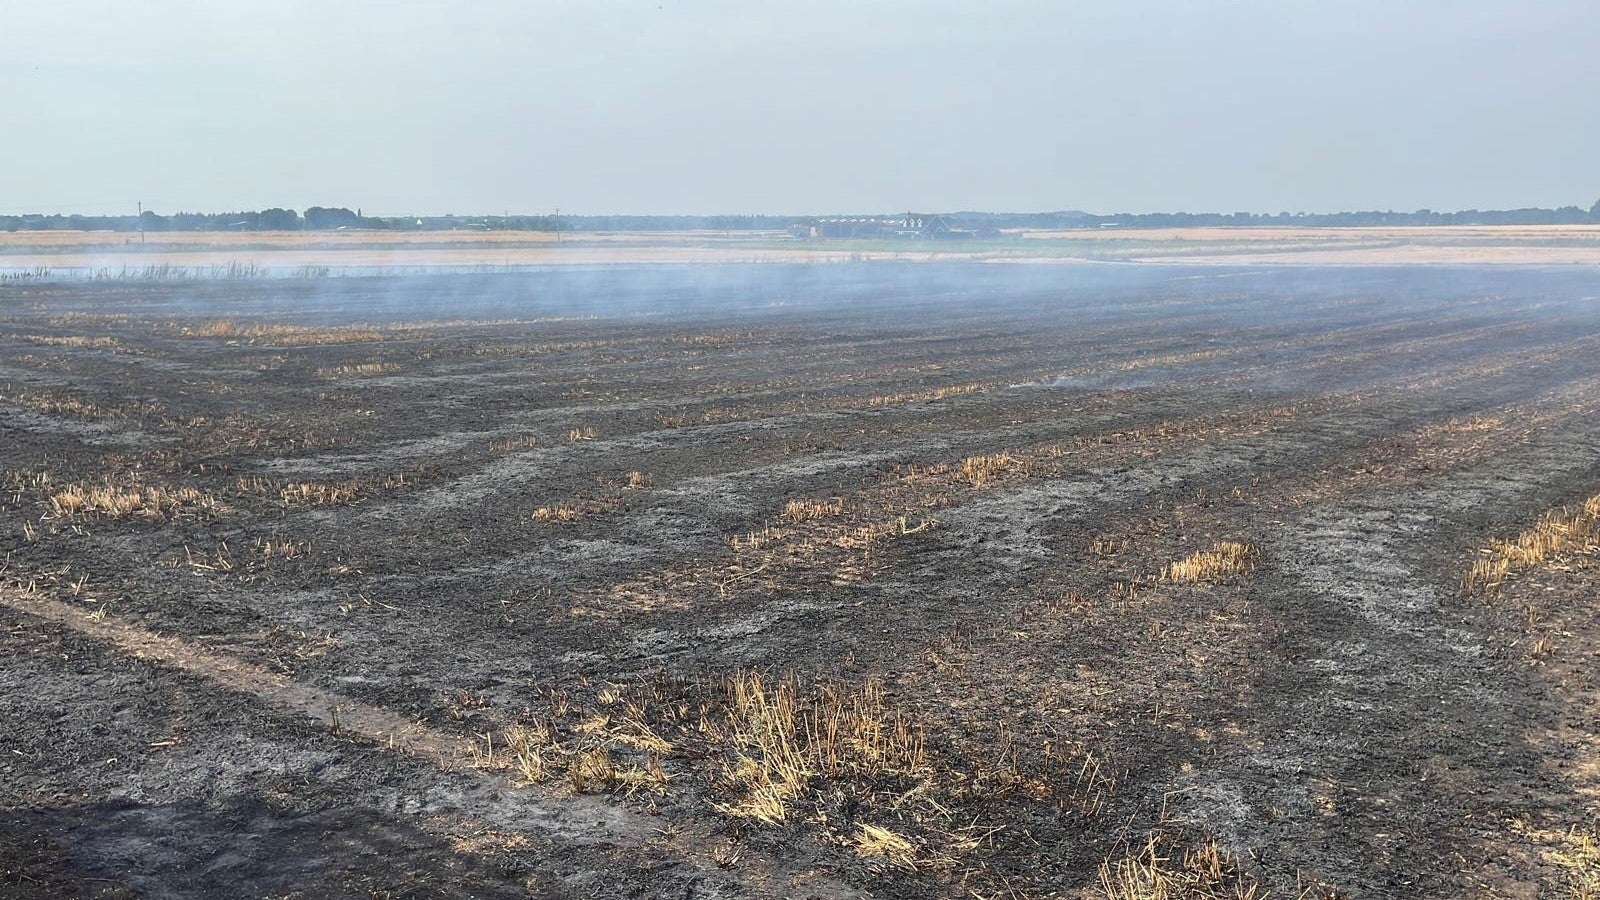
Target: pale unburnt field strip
column 922, row 579
column 185, row 255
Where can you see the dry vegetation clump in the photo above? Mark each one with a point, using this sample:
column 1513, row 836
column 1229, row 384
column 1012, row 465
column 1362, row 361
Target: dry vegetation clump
column 810, row 510
column 319, row 493
column 63, row 402
column 358, row 369
column 568, row 511
column 78, row 319
column 1579, row 859
column 767, row 742
column 279, row 547
column 1159, row 871
column 537, row 754
column 986, row 470
column 941, row 393
column 279, row 334
column 979, row 470
column 837, row 759
column 108, row 500
column 781, row 738
column 55, row 403
column 1568, row 530
column 216, row 328
column 586, row 433
column 1227, row 559
column 75, row 341
column 1572, row 860
column 755, row 540
column 879, row 842
column 867, row 535
column 20, row 484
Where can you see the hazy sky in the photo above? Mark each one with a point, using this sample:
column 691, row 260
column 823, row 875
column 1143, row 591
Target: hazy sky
column 685, row 106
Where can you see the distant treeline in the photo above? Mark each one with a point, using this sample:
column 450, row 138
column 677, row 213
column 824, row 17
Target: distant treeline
column 1566, row 215
column 338, row 218
column 321, row 218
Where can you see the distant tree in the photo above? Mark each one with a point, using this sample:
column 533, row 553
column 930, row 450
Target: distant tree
column 1594, row 211
column 278, row 219
column 319, row 218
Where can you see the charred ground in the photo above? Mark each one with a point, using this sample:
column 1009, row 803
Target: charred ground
column 894, row 579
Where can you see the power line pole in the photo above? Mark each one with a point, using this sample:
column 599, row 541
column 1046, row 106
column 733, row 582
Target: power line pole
column 141, row 221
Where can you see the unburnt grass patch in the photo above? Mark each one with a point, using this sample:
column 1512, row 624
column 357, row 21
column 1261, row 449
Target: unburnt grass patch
column 1162, row 868
column 773, row 754
column 1220, row 562
column 1559, row 532
column 276, row 334
column 353, row 370
column 145, row 501
column 60, row 402
column 290, row 493
column 127, row 496
column 939, row 393
column 566, row 511
column 76, row 341
column 808, row 510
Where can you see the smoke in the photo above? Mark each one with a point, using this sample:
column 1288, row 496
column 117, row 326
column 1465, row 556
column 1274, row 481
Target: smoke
column 1130, row 327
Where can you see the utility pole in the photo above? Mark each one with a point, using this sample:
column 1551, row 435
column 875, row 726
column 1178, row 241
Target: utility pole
column 141, row 221
column 558, row 224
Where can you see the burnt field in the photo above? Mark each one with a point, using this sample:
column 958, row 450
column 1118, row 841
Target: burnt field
column 870, row 579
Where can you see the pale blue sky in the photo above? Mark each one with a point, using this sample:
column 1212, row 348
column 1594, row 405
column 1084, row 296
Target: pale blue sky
column 670, row 106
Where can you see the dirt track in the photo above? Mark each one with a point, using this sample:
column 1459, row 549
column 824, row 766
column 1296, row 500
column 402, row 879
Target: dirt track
column 478, row 508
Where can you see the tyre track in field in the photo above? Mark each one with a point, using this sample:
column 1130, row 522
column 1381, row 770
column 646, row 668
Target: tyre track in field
column 576, row 819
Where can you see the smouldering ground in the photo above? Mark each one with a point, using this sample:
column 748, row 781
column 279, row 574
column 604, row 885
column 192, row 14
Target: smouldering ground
column 890, row 580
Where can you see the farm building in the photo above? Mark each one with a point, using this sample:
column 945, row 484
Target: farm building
column 915, row 226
